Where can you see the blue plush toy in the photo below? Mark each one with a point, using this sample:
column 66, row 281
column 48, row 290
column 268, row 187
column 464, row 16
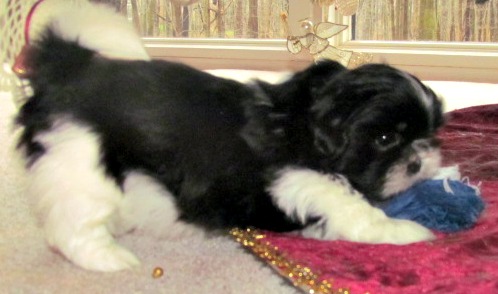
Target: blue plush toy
column 442, row 205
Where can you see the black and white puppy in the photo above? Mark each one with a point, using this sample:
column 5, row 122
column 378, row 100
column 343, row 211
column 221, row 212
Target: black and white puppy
column 115, row 145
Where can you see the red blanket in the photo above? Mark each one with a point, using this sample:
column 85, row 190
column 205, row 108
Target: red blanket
column 465, row 262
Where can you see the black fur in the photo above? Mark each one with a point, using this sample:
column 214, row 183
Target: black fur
column 216, row 143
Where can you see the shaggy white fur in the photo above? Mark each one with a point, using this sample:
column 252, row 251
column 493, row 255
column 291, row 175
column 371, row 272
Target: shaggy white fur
column 342, row 212
column 84, row 21
column 146, row 207
column 76, row 212
column 80, row 207
column 75, row 198
column 397, row 180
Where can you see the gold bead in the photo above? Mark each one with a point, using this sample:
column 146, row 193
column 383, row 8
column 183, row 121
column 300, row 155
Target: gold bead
column 157, row 273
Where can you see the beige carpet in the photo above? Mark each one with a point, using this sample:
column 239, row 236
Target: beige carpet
column 191, row 265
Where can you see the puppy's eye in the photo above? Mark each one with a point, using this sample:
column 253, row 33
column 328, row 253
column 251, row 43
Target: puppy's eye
column 387, row 140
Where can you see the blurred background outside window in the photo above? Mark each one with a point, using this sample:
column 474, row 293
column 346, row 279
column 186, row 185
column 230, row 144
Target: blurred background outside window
column 427, row 20
column 381, row 20
column 261, row 19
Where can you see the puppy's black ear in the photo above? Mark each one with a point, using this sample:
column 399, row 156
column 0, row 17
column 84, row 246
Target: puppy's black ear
column 319, row 74
column 309, row 85
column 438, row 117
column 300, row 90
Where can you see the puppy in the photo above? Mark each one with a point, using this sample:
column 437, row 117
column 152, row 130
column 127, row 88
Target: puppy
column 115, row 144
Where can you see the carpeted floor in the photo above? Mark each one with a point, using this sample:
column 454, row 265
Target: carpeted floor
column 191, row 265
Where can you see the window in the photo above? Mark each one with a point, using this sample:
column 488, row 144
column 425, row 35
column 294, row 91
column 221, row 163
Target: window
column 434, row 39
column 416, row 35
column 207, row 18
column 427, row 20
column 243, row 34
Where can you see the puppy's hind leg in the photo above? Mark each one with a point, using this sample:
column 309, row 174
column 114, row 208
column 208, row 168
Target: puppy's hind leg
column 341, row 212
column 149, row 208
column 75, row 198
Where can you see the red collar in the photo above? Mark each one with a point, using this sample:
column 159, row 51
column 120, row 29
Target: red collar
column 27, row 25
column 20, row 67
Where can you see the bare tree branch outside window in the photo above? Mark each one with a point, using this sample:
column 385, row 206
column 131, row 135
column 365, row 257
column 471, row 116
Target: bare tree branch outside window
column 428, row 20
column 205, row 18
column 409, row 20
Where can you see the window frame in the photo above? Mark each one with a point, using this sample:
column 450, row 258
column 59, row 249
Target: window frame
column 269, row 55
column 252, row 54
column 445, row 61
column 442, row 61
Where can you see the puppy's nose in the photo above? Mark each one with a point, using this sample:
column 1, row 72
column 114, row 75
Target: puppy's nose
column 414, row 166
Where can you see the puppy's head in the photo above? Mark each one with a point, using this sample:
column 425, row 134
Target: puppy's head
column 376, row 125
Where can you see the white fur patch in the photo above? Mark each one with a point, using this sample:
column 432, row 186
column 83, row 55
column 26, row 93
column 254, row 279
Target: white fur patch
column 75, row 198
column 149, row 209
column 343, row 212
column 424, row 98
column 398, row 180
column 96, row 27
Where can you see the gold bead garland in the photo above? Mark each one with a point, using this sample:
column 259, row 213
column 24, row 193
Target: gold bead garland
column 157, row 272
column 300, row 275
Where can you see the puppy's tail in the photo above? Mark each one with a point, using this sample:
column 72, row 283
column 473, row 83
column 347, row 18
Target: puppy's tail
column 93, row 26
column 53, row 60
column 65, row 34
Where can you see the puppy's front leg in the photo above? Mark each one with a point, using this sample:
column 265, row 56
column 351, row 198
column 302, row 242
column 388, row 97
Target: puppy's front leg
column 75, row 198
column 341, row 211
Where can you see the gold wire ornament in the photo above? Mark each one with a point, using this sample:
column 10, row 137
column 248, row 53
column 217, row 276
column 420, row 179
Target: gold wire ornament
column 334, row 53
column 315, row 40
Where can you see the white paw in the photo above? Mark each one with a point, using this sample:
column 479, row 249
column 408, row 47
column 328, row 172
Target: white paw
column 399, row 231
column 379, row 231
column 107, row 258
column 391, row 231
column 343, row 213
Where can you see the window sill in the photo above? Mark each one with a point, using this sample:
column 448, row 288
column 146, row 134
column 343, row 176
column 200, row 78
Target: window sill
column 473, row 62
column 429, row 61
column 228, row 54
